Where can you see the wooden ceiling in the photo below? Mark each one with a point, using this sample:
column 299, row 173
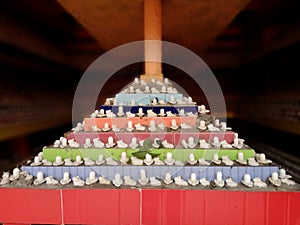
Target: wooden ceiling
column 225, row 33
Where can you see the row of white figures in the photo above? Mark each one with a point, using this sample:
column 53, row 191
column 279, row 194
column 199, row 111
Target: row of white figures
column 147, row 90
column 191, row 143
column 157, row 143
column 153, row 81
column 275, row 179
column 79, row 127
column 187, row 101
column 217, row 126
column 169, row 160
column 153, row 127
column 149, row 113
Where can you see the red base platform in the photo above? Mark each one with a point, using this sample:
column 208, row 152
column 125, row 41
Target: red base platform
column 147, row 206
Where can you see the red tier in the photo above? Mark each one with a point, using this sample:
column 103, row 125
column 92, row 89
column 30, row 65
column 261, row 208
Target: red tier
column 147, row 206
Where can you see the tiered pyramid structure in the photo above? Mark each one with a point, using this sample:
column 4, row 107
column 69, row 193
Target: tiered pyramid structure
column 151, row 135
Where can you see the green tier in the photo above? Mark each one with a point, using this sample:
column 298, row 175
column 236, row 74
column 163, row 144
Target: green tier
column 182, row 155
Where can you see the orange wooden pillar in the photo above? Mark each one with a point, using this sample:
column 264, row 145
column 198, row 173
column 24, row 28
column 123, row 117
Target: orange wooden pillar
column 153, row 31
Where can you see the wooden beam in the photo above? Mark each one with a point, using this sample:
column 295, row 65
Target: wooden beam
column 153, row 31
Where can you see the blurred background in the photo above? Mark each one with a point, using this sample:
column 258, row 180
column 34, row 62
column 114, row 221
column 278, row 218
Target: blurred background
column 252, row 47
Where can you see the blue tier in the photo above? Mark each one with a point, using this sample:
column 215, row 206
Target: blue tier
column 146, row 99
column 134, row 109
column 236, row 172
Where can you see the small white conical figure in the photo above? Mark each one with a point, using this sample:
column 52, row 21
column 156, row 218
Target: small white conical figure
column 274, row 179
column 163, row 89
column 124, row 159
column 129, row 126
column 110, row 142
column 219, row 182
column 191, row 142
column 120, row 111
column 241, row 159
column 133, row 143
column 36, row 161
column 143, row 180
column 192, row 159
column 106, row 127
column 174, row 125
column 216, row 143
column 64, row 142
column 100, row 160
column 117, row 181
column 110, row 161
column 172, row 99
column 39, row 178
column 168, row 178
column 5, row 178
column 147, row 89
column 202, row 125
column 285, row 178
column 91, row 179
column 217, row 122
column 216, row 159
column 87, row 143
column 152, row 126
column 15, row 175
column 162, row 112
column 58, row 161
column 247, row 181
column 262, row 159
column 78, row 161
column 101, row 113
column 148, row 159
column 66, row 178
column 140, row 112
column 193, row 179
column 169, row 159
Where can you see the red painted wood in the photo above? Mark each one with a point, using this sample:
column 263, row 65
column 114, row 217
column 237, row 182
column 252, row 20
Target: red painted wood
column 20, row 205
column 101, row 206
column 293, row 207
column 152, row 207
column 193, row 207
column 234, row 208
column 255, row 208
column 214, row 203
column 147, row 206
